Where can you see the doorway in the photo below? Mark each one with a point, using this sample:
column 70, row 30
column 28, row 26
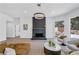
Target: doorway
column 13, row 29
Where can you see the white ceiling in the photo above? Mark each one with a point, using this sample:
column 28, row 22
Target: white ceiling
column 28, row 9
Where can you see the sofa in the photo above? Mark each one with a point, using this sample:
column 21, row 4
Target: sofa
column 73, row 44
column 20, row 48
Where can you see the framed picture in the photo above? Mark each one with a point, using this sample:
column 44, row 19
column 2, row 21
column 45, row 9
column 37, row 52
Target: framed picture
column 25, row 26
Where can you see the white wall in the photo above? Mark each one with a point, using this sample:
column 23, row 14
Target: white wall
column 73, row 13
column 50, row 27
column 3, row 19
column 2, row 28
column 10, row 29
column 26, row 33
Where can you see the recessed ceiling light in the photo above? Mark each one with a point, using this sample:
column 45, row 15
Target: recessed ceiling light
column 38, row 4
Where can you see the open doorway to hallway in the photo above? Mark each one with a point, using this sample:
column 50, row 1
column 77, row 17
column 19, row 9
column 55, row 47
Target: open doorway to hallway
column 13, row 29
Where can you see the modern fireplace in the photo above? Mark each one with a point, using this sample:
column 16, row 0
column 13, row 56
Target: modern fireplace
column 39, row 35
column 39, row 30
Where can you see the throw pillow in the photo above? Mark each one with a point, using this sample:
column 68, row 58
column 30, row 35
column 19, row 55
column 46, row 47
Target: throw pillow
column 9, row 51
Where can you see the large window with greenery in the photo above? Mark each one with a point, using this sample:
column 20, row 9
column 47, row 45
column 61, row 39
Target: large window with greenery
column 75, row 25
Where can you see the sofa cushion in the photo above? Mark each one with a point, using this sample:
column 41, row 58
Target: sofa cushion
column 21, row 52
column 9, row 51
column 22, row 48
column 22, row 45
column 11, row 46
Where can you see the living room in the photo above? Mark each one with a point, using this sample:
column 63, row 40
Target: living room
column 27, row 27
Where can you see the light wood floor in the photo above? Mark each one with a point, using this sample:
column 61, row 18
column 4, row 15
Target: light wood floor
column 36, row 45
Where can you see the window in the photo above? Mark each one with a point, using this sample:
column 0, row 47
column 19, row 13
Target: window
column 59, row 27
column 75, row 25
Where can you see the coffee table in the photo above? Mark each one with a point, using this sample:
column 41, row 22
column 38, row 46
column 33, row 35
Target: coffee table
column 51, row 50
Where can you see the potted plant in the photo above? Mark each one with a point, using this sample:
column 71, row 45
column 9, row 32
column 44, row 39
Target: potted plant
column 51, row 43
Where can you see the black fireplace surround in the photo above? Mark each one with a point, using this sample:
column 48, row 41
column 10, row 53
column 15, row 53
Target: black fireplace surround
column 38, row 29
column 39, row 35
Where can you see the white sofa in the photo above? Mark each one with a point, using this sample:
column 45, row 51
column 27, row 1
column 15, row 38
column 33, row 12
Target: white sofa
column 74, row 36
column 72, row 44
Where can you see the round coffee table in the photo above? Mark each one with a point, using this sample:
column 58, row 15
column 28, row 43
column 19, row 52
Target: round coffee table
column 50, row 50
